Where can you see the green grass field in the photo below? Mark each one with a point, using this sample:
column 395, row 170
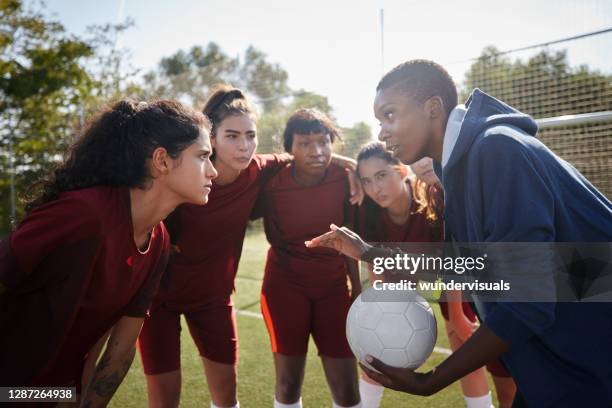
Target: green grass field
column 255, row 369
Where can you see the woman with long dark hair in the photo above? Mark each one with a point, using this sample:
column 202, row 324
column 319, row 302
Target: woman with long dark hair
column 87, row 258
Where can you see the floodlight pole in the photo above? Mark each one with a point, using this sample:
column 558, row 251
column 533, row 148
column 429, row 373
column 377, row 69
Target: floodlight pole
column 382, row 40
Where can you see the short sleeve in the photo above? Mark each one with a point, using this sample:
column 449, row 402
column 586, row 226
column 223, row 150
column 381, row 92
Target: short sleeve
column 271, row 164
column 63, row 222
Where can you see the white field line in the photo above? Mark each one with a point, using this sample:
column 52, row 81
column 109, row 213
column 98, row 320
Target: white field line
column 441, row 350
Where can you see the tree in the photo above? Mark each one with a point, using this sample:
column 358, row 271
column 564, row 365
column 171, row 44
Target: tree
column 545, row 86
column 42, row 79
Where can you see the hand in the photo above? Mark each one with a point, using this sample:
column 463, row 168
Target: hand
column 342, row 240
column 357, row 194
column 399, row 379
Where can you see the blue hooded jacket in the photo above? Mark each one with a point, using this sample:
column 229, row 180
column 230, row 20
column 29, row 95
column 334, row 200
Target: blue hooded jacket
column 503, row 185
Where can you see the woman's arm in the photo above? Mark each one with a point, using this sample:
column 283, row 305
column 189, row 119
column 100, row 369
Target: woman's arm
column 482, row 347
column 350, row 165
column 92, row 359
column 114, row 364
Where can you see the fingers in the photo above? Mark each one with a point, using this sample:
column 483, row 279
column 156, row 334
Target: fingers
column 378, row 377
column 325, row 240
column 380, row 366
column 353, row 186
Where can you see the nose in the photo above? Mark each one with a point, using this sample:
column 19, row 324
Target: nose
column 316, row 151
column 243, row 145
column 383, row 135
column 377, row 187
column 211, row 172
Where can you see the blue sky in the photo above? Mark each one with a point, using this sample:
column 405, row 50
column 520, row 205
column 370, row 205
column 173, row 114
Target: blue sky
column 333, row 47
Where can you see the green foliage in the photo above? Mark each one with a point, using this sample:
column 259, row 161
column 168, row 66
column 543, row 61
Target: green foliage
column 42, row 80
column 544, row 85
column 190, row 75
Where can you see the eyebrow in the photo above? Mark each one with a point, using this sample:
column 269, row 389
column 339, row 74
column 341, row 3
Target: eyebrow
column 237, row 131
column 374, row 175
column 386, row 105
column 203, row 151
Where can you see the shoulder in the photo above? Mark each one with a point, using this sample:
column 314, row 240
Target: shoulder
column 336, row 173
column 83, row 208
column 505, row 149
column 264, row 161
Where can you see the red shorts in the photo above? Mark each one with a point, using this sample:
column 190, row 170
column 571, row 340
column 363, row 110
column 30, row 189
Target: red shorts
column 212, row 327
column 292, row 313
column 495, row 367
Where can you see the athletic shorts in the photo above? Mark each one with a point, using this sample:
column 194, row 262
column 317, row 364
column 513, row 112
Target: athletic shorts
column 292, row 313
column 495, row 367
column 212, row 327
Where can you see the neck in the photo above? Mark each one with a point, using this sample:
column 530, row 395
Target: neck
column 227, row 175
column 147, row 209
column 438, row 141
column 399, row 210
column 305, row 179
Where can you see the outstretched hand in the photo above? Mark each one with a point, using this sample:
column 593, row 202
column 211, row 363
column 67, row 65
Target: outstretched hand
column 342, row 240
column 399, row 379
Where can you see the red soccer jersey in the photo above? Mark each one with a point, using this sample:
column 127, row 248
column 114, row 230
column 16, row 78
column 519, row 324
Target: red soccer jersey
column 416, row 229
column 76, row 259
column 210, row 237
column 293, row 214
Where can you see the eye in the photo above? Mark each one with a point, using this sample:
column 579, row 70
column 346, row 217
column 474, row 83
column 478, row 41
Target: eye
column 252, row 136
column 381, row 176
column 365, row 182
column 388, row 115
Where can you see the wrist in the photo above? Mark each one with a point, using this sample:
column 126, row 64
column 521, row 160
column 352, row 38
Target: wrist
column 428, row 383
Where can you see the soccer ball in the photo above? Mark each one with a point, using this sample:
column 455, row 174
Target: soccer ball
column 400, row 334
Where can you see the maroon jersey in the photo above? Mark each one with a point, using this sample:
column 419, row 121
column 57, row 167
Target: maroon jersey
column 73, row 270
column 416, row 229
column 210, row 238
column 293, row 214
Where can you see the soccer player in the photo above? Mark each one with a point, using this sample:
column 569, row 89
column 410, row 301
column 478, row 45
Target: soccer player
column 86, row 260
column 460, row 322
column 408, row 209
column 305, row 292
column 502, row 185
column 201, row 272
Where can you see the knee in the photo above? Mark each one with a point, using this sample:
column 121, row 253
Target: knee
column 164, row 394
column 345, row 394
column 167, row 399
column 288, row 389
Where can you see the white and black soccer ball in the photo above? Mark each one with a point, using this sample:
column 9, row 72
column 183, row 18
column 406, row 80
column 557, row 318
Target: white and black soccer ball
column 400, row 334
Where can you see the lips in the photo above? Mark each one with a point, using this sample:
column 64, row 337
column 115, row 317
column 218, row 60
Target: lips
column 316, row 164
column 243, row 159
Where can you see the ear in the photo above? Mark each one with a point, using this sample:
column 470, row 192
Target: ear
column 213, row 141
column 434, row 108
column 161, row 162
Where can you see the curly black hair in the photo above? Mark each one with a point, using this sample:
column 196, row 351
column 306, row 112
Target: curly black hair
column 116, row 144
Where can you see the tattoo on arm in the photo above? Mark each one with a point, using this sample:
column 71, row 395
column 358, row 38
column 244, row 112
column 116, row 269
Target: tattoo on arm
column 104, row 385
